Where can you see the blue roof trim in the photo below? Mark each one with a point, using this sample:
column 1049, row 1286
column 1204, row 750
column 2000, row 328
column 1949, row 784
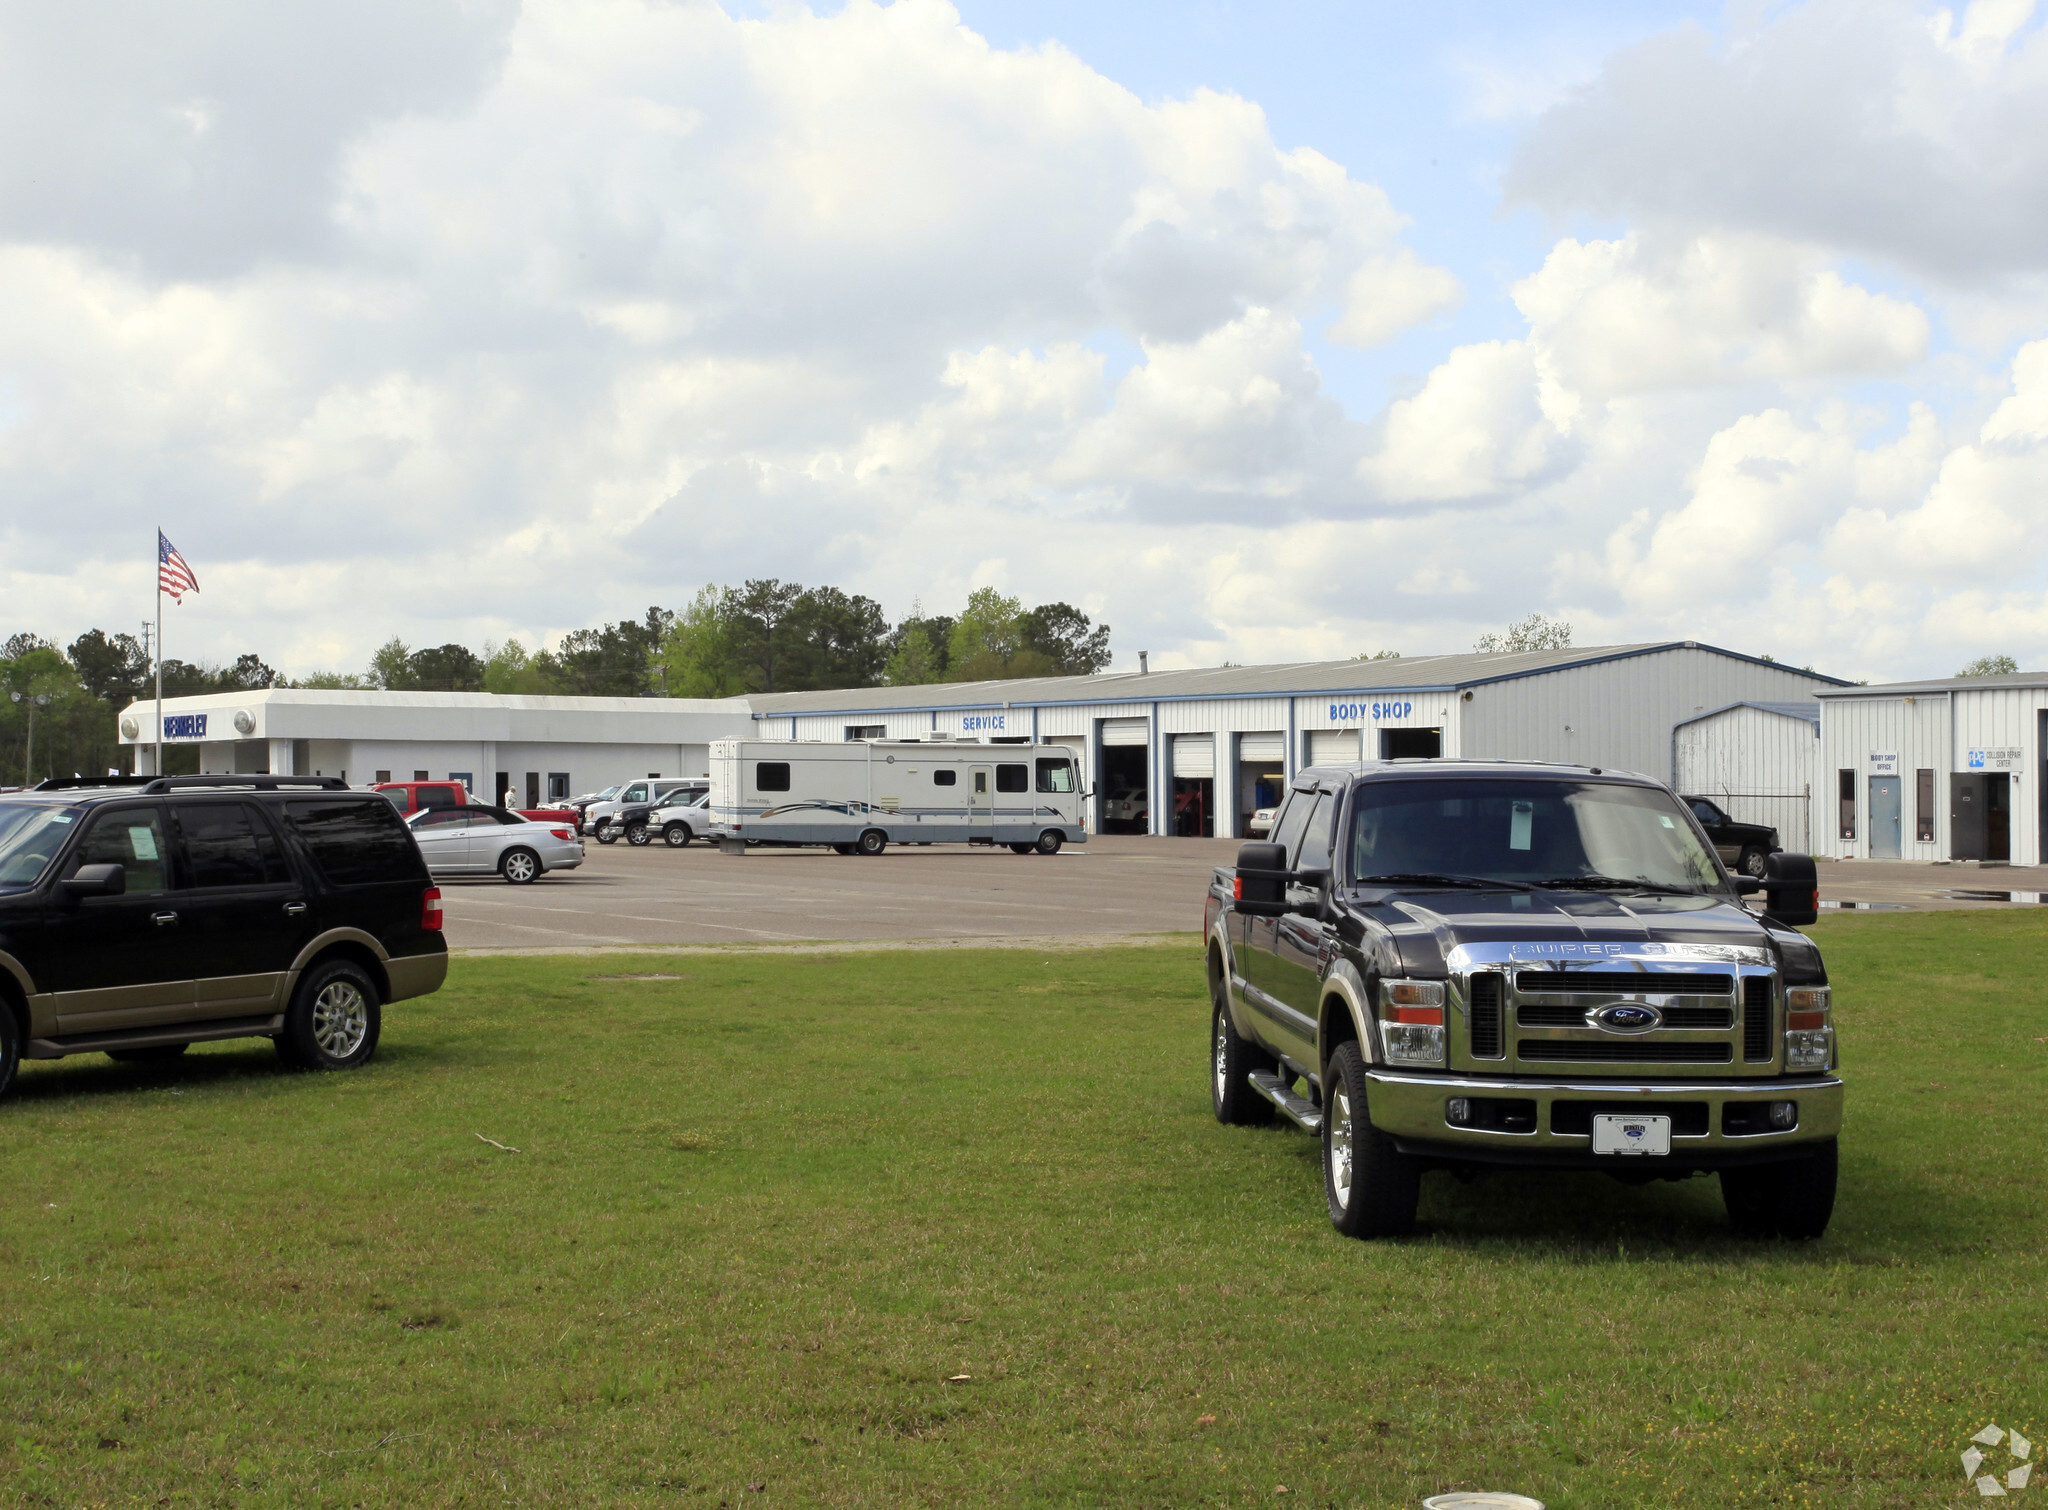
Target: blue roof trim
column 1351, row 690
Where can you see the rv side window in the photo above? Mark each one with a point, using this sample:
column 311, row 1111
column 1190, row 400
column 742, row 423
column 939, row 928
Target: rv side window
column 1013, row 778
column 944, row 777
column 1055, row 776
column 771, row 776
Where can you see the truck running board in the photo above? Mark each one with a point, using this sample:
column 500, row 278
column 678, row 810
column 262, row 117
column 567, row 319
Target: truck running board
column 1305, row 1115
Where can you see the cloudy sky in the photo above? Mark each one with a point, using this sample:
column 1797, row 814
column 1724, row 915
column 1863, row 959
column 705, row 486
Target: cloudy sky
column 1263, row 331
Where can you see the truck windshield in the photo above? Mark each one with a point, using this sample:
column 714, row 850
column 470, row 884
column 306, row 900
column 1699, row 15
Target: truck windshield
column 1534, row 832
column 30, row 836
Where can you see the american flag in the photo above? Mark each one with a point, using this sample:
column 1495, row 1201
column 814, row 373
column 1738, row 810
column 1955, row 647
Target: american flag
column 172, row 574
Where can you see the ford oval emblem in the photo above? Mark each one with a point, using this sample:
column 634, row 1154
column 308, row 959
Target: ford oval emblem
column 1628, row 1017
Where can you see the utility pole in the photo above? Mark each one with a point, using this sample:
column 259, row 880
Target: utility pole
column 34, row 700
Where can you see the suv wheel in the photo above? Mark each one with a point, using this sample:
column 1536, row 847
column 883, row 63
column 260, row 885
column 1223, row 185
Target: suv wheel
column 637, row 834
column 1754, row 862
column 606, row 833
column 10, row 1046
column 872, row 842
column 1371, row 1189
column 334, row 1018
column 1795, row 1199
column 1049, row 842
column 156, row 1053
column 1231, row 1059
column 519, row 866
column 676, row 835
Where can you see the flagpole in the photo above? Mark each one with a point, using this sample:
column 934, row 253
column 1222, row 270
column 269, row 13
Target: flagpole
column 159, row 653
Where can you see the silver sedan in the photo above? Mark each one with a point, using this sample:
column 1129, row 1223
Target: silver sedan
column 482, row 841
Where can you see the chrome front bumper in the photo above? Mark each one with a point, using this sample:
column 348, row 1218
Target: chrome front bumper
column 1411, row 1108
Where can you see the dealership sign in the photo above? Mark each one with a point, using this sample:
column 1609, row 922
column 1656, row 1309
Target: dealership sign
column 185, row 726
column 984, row 723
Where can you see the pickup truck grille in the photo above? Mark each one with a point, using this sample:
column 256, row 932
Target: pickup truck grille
column 1553, row 1015
column 1623, row 1051
column 1756, row 1020
column 1626, row 982
column 1485, row 997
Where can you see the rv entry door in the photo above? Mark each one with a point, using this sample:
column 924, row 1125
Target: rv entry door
column 981, row 804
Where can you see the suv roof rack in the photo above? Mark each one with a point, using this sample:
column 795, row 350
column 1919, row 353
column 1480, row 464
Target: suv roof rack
column 246, row 783
column 77, row 783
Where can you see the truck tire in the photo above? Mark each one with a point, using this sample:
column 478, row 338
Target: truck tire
column 334, row 1018
column 676, row 835
column 1794, row 1199
column 606, row 834
column 1371, row 1188
column 1021, row 849
column 10, row 1046
column 1754, row 862
column 844, row 849
column 638, row 834
column 1231, row 1060
column 1049, row 842
column 519, row 866
column 872, row 842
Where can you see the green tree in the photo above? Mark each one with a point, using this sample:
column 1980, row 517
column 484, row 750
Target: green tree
column 700, row 653
column 760, row 610
column 336, row 681
column 917, row 650
column 510, row 668
column 1070, row 643
column 615, row 660
column 1533, row 633
column 445, row 668
column 1990, row 665
column 833, row 639
column 986, row 639
column 391, row 666
column 1377, row 655
column 114, row 669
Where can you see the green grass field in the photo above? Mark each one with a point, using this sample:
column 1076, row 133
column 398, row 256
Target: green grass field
column 767, row 1208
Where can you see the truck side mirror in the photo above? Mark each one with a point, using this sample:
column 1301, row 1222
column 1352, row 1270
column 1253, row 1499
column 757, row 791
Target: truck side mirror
column 1791, row 889
column 1261, row 879
column 96, row 881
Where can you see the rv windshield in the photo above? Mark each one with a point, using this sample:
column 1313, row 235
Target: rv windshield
column 1552, row 834
column 30, row 836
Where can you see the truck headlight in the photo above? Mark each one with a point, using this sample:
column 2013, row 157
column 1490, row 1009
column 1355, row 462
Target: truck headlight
column 1809, row 1048
column 1412, row 1021
column 1809, row 1028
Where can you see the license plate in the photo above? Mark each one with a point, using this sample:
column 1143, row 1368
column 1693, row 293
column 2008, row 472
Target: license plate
column 1631, row 1135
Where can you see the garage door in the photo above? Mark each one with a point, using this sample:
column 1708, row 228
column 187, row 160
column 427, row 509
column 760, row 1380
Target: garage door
column 1194, row 756
column 1333, row 747
column 1270, row 748
column 1125, row 731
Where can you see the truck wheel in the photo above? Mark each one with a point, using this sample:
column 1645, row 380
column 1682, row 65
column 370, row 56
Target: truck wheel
column 1231, row 1059
column 606, row 834
column 843, row 849
column 872, row 842
column 156, row 1053
column 1020, row 849
column 334, row 1018
column 1049, row 842
column 519, row 866
column 637, row 834
column 1371, row 1189
column 1754, row 862
column 676, row 835
column 1793, row 1200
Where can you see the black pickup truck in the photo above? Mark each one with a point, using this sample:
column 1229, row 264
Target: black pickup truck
column 1466, row 965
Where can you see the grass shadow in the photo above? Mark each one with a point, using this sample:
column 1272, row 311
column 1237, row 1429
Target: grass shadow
column 237, row 1061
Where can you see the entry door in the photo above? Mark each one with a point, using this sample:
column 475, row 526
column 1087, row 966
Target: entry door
column 981, row 802
column 1998, row 817
column 1966, row 816
column 1886, row 810
column 120, row 962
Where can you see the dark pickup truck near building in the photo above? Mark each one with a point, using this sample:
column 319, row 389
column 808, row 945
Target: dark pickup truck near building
column 1467, row 965
column 1743, row 847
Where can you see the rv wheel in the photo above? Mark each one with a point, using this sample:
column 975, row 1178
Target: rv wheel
column 1020, row 849
column 842, row 849
column 873, row 842
column 1049, row 842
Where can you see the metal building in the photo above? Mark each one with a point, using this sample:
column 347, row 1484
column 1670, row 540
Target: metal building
column 1935, row 770
column 1757, row 761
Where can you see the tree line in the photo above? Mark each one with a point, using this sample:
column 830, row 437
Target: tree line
column 765, row 636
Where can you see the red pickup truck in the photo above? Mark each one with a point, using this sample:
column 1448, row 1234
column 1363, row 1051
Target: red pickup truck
column 410, row 796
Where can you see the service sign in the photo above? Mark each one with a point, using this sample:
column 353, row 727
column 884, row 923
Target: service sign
column 1884, row 763
column 986, row 724
column 1994, row 760
column 185, row 726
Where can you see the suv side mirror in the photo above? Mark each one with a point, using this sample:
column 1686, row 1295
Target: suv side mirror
column 1791, row 888
column 96, row 881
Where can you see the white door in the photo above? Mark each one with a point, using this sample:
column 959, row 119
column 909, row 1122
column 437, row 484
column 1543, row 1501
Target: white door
column 981, row 802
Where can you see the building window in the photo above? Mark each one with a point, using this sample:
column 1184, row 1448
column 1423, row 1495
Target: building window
column 382, row 777
column 771, row 775
column 421, row 776
column 1923, row 806
column 1845, row 794
column 867, row 731
column 558, row 786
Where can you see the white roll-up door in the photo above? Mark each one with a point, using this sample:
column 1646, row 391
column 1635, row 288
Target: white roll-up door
column 1262, row 747
column 1124, row 731
column 1194, row 756
column 1333, row 747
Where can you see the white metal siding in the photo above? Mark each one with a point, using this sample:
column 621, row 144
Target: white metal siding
column 1194, row 757
column 1759, row 766
column 1853, row 729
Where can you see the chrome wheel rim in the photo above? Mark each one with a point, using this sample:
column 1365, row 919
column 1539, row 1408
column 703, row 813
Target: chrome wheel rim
column 341, row 1019
column 1222, row 1056
column 519, row 867
column 677, row 836
column 1340, row 1146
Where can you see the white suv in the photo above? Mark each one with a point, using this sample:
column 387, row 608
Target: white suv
column 654, row 789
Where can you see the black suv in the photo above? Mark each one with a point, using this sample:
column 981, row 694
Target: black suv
column 1743, row 847
column 140, row 914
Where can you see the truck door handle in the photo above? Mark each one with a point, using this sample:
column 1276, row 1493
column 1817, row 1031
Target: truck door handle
column 295, row 909
column 164, row 919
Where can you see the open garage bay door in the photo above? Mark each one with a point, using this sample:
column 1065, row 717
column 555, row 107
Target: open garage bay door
column 1194, row 755
column 1125, row 731
column 1333, row 747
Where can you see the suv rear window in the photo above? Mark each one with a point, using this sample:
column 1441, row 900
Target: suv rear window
column 356, row 842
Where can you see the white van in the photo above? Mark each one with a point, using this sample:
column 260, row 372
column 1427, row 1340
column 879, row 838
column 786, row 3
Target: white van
column 860, row 796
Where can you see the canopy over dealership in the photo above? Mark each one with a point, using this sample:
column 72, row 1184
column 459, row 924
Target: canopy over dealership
column 1169, row 752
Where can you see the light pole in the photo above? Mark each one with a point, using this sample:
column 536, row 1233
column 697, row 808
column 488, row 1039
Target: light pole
column 34, row 700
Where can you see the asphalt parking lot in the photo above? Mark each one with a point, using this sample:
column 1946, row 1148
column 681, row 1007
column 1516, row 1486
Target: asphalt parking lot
column 1115, row 887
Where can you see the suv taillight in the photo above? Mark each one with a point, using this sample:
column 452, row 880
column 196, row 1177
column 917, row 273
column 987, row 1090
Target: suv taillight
column 430, row 909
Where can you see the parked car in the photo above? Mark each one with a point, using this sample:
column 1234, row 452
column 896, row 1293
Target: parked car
column 680, row 822
column 1745, row 847
column 628, row 823
column 580, row 806
column 1261, row 823
column 1126, row 804
column 142, row 914
column 654, row 789
column 482, row 841
column 410, row 797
